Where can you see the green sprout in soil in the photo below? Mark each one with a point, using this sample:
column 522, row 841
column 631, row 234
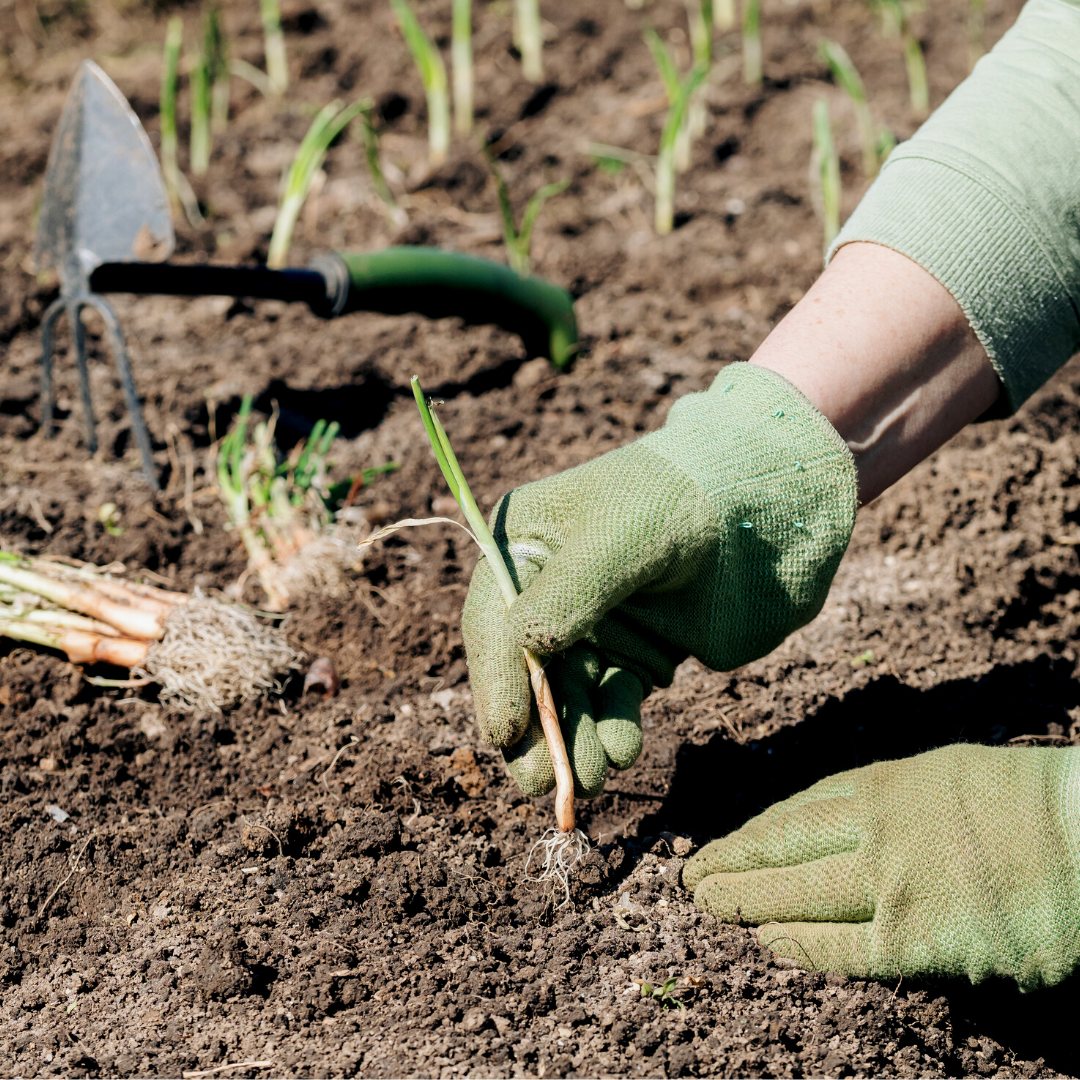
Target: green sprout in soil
column 699, row 15
column 896, row 20
column 564, row 846
column 663, row 993
column 669, row 76
column 976, row 30
column 529, row 39
column 725, row 15
column 433, row 75
column 461, row 60
column 277, row 66
column 205, row 654
column 325, row 128
column 877, row 142
column 370, row 139
column 208, row 81
column 216, row 53
column 665, row 161
column 519, row 241
column 825, row 172
column 751, row 42
column 176, row 183
column 283, row 509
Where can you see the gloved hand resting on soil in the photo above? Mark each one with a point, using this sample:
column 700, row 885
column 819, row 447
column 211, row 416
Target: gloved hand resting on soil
column 961, row 861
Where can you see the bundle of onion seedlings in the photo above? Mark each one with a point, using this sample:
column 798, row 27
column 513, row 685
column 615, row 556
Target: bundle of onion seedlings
column 563, row 847
column 282, row 509
column 206, row 654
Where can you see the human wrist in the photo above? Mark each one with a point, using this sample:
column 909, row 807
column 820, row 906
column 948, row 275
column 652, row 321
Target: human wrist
column 887, row 355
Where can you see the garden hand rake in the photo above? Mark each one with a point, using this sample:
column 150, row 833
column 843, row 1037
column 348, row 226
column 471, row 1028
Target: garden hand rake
column 105, row 226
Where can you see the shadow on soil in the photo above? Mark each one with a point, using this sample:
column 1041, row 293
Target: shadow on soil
column 718, row 786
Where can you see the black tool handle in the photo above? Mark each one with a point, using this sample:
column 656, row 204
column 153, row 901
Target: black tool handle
column 312, row 287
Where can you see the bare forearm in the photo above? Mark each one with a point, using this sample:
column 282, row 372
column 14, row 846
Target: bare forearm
column 885, row 352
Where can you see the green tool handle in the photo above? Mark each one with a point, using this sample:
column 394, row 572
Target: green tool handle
column 440, row 283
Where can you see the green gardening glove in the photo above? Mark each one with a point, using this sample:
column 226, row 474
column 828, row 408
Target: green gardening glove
column 960, row 861
column 716, row 536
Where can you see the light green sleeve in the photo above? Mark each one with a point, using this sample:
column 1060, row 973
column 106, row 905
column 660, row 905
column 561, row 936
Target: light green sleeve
column 986, row 197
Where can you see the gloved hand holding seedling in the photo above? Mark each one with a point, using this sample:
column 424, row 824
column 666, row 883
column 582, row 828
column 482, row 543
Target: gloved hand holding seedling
column 716, row 537
column 564, row 846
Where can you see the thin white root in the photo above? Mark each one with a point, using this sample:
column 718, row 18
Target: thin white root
column 318, row 568
column 215, row 655
column 562, row 851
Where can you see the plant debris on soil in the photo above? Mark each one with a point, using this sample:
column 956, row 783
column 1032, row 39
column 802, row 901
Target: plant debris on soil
column 334, row 884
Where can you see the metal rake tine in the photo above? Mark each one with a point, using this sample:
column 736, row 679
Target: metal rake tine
column 127, row 382
column 78, row 335
column 48, row 325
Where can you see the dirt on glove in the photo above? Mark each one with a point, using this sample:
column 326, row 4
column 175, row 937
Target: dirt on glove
column 180, row 895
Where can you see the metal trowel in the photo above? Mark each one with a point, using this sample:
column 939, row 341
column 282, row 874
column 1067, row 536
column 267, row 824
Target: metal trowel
column 105, row 226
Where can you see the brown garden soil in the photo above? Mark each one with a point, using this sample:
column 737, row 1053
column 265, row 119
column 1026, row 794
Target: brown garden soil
column 219, row 894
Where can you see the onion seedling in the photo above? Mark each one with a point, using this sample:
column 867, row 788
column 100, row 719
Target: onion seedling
column 699, row 15
column 529, row 39
column 461, row 58
column 751, row 42
column 725, row 15
column 216, row 58
column 283, row 510
column 846, row 75
column 176, row 183
column 669, row 76
column 325, row 128
column 665, row 161
column 433, row 75
column 251, row 74
column 519, row 241
column 896, row 14
column 976, row 24
column 277, row 66
column 370, row 138
column 825, row 172
column 199, row 86
column 205, row 654
column 566, row 845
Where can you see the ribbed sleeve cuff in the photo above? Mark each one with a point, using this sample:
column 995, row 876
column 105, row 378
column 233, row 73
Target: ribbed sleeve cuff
column 980, row 248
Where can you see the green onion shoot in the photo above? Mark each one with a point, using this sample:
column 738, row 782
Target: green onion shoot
column 751, row 42
column 665, row 161
column 433, row 75
column 325, row 128
column 461, row 60
column 277, row 66
column 566, row 845
column 176, row 183
column 825, row 172
column 976, row 30
column 370, row 139
column 529, row 39
column 199, row 88
column 518, row 241
column 216, row 58
column 895, row 18
column 846, row 76
column 725, row 15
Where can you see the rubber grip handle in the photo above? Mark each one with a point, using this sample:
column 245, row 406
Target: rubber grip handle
column 438, row 284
